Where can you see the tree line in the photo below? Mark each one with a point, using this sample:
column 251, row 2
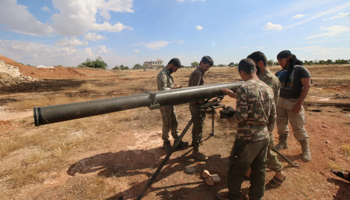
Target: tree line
column 99, row 63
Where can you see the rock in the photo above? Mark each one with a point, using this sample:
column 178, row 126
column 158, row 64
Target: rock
column 209, row 181
column 206, row 174
column 216, row 178
column 190, row 170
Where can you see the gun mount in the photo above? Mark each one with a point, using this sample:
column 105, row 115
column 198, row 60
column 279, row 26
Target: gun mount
column 64, row 112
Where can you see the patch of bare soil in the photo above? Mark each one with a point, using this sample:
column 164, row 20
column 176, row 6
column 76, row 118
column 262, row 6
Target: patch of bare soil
column 124, row 149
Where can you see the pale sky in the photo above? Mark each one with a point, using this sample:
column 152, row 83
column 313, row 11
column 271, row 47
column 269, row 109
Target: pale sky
column 129, row 32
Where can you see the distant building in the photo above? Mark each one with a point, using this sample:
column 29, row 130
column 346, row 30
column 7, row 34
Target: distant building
column 153, row 64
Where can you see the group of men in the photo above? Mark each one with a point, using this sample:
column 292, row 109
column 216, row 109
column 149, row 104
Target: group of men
column 263, row 100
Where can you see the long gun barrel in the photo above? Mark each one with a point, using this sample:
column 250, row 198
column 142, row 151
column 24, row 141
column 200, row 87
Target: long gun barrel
column 64, row 112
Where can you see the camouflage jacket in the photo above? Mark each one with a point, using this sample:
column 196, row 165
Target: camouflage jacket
column 164, row 79
column 271, row 80
column 255, row 111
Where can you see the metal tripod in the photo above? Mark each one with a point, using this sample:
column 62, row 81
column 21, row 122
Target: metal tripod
column 206, row 106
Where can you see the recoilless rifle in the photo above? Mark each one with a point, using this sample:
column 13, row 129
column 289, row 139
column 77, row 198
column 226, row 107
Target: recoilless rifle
column 211, row 93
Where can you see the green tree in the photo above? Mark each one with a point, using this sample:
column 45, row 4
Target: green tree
column 341, row 61
column 231, row 64
column 194, row 64
column 138, row 66
column 308, row 62
column 115, row 68
column 270, row 62
column 322, row 62
column 98, row 63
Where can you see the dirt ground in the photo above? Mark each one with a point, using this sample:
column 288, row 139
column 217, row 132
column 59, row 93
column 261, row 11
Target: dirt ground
column 113, row 156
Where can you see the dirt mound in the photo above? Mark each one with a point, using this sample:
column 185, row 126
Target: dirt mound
column 43, row 73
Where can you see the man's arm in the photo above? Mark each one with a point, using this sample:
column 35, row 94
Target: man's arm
column 306, row 82
column 272, row 118
column 194, row 79
column 161, row 82
column 241, row 113
column 229, row 92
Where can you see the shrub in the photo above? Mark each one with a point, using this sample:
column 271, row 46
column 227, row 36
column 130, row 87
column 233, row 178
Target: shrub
column 98, row 63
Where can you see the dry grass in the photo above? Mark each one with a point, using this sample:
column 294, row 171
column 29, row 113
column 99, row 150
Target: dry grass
column 345, row 148
column 87, row 87
column 29, row 170
column 17, row 142
column 332, row 165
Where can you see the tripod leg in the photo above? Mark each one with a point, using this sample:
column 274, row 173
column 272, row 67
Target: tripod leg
column 165, row 160
column 212, row 121
column 285, row 158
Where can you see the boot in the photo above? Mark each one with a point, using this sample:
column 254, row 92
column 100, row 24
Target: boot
column 182, row 144
column 282, row 143
column 199, row 156
column 306, row 154
column 167, row 146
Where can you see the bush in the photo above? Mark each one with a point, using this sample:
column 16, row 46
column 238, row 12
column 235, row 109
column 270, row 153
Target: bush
column 138, row 66
column 98, row 63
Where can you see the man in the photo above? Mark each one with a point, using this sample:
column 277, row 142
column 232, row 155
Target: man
column 166, row 82
column 255, row 115
column 265, row 75
column 295, row 84
column 197, row 78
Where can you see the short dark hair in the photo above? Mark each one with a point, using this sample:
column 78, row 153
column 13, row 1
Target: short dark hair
column 176, row 62
column 207, row 59
column 257, row 56
column 284, row 54
column 247, row 65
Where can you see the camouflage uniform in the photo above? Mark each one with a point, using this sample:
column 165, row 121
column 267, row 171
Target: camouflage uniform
column 271, row 80
column 165, row 81
column 256, row 116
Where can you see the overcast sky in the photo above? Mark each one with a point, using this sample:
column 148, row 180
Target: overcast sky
column 129, row 32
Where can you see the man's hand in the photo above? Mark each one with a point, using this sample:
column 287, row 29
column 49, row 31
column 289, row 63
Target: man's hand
column 297, row 107
column 306, row 82
column 229, row 92
column 177, row 86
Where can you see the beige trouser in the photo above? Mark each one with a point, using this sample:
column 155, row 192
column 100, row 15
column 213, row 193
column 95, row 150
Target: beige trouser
column 285, row 113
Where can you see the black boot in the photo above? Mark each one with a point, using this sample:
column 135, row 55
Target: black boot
column 182, row 144
column 167, row 146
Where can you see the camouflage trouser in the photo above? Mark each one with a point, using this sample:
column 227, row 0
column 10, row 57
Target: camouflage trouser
column 198, row 123
column 169, row 122
column 244, row 155
column 284, row 110
column 272, row 162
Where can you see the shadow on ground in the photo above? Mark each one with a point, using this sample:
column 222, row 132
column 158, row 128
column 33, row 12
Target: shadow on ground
column 136, row 162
